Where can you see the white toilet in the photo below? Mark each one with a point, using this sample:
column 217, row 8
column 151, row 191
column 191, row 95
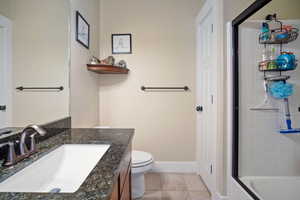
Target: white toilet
column 141, row 163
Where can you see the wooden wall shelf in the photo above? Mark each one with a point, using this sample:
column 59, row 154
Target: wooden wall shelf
column 107, row 69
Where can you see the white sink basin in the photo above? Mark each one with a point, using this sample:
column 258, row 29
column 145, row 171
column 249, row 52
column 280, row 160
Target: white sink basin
column 62, row 170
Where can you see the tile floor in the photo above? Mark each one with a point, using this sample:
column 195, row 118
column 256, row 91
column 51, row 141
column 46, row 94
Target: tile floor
column 174, row 187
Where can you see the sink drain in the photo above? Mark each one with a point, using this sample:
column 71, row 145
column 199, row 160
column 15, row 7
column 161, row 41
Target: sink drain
column 55, row 190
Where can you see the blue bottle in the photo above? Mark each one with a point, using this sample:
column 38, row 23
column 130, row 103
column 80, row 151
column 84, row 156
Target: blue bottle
column 265, row 30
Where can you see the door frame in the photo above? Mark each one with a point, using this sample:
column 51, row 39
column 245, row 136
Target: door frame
column 237, row 189
column 207, row 11
column 218, row 189
column 7, row 26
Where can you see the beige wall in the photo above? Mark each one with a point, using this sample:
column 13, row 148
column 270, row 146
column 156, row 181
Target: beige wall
column 6, row 8
column 84, row 84
column 163, row 55
column 40, row 58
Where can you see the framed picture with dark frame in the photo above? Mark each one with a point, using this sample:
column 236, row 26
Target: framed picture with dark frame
column 121, row 43
column 82, row 31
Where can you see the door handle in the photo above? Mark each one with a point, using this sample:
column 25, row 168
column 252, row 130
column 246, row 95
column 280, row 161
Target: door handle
column 3, row 108
column 199, row 108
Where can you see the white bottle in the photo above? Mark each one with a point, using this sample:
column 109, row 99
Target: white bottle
column 266, row 54
column 273, row 53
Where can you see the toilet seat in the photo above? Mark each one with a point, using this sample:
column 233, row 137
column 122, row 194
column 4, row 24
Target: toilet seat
column 141, row 159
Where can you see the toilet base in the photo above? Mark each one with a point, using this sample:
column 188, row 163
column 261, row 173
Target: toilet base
column 138, row 185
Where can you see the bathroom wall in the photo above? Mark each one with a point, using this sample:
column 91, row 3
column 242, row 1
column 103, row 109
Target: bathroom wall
column 163, row 55
column 84, row 99
column 6, row 8
column 35, row 44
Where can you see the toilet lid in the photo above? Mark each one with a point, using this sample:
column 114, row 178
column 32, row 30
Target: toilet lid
column 141, row 158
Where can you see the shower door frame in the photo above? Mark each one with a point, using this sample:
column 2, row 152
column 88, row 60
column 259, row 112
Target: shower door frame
column 252, row 9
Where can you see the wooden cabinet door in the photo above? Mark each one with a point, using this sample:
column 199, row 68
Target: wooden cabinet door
column 126, row 194
column 115, row 193
column 125, row 166
column 122, row 189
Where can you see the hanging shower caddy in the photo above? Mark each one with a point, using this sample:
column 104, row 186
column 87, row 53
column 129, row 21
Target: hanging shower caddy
column 285, row 61
column 280, row 35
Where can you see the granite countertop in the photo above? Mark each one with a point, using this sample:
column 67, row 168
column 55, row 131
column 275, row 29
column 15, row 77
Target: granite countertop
column 99, row 184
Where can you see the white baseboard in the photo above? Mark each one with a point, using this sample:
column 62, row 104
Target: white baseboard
column 175, row 167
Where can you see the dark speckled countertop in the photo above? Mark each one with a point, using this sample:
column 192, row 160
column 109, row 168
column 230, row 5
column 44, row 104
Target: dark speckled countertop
column 99, row 183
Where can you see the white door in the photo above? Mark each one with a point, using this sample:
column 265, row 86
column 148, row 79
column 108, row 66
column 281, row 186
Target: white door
column 5, row 72
column 206, row 121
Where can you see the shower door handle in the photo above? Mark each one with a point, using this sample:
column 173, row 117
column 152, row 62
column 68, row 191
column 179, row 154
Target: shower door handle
column 2, row 107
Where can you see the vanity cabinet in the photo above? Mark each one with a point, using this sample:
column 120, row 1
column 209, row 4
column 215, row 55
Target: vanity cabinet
column 126, row 194
column 122, row 188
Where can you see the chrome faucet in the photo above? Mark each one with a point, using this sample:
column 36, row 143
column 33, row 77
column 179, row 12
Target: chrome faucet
column 29, row 129
column 11, row 158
